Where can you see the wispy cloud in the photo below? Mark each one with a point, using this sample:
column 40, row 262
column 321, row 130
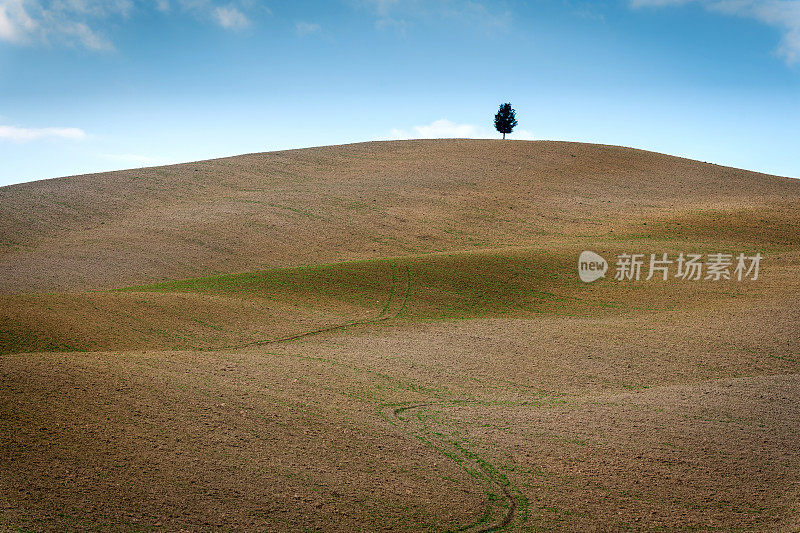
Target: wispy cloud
column 477, row 14
column 82, row 22
column 15, row 23
column 306, row 28
column 230, row 18
column 782, row 14
column 445, row 129
column 13, row 133
column 400, row 14
column 58, row 22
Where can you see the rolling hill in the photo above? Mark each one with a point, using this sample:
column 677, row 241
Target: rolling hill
column 354, row 337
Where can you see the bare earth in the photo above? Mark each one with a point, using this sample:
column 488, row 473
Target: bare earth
column 393, row 336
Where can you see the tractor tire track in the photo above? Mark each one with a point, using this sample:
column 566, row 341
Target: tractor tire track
column 467, row 460
column 398, row 299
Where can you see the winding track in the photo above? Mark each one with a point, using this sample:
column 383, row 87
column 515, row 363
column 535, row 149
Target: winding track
column 497, row 516
column 401, row 286
column 477, row 467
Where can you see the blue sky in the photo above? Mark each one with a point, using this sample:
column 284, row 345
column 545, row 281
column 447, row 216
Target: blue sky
column 88, row 85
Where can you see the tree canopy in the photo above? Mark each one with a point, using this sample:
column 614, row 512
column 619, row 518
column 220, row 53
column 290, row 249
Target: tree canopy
column 505, row 120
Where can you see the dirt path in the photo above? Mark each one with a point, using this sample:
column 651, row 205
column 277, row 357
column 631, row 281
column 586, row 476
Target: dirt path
column 503, row 510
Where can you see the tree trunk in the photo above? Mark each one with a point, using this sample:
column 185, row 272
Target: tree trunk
column 504, row 136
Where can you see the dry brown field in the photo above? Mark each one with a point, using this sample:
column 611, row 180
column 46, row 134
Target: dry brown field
column 393, row 336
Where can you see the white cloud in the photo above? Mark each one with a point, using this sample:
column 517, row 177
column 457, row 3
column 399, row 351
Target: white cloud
column 82, row 22
column 13, row 133
column 231, row 18
column 59, row 21
column 782, row 14
column 445, row 129
column 306, row 28
column 86, row 36
column 522, row 135
column 400, row 25
column 15, row 23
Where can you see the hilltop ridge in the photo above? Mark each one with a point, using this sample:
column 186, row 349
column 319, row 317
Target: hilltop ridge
column 357, row 201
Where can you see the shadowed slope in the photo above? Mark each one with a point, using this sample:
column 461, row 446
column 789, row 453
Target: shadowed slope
column 267, row 306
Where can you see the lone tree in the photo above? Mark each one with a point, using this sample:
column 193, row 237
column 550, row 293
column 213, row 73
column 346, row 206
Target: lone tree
column 505, row 120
